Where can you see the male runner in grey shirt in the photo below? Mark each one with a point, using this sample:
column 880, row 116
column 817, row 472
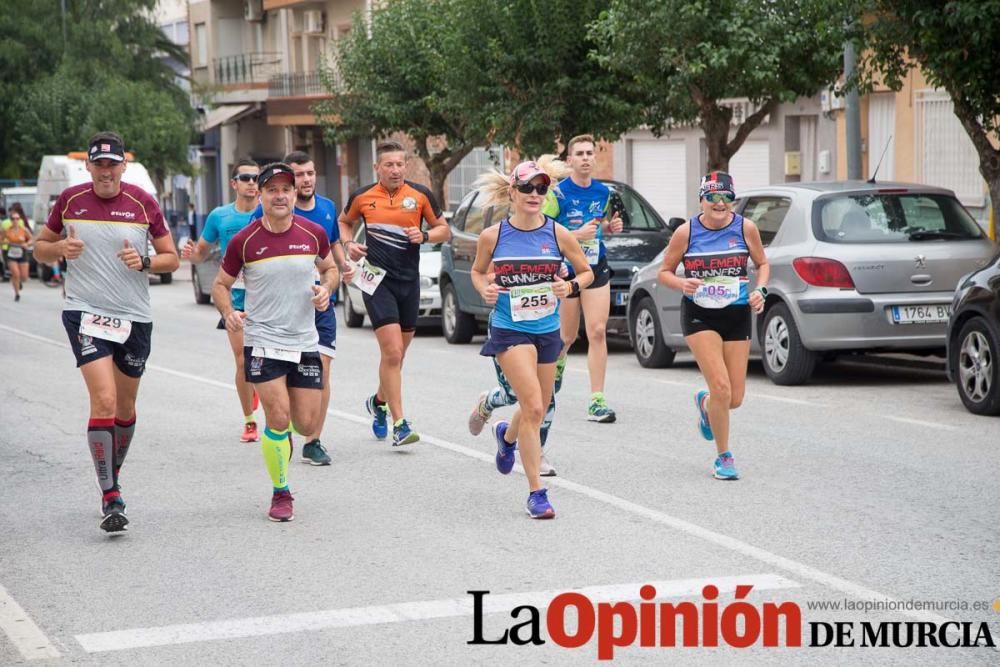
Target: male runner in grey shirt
column 277, row 254
column 107, row 315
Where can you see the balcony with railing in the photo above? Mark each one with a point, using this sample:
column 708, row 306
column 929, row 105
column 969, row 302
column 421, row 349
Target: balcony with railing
column 296, row 84
column 246, row 70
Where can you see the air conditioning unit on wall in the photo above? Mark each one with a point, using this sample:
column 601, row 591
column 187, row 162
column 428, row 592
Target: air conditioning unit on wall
column 312, row 22
column 253, row 10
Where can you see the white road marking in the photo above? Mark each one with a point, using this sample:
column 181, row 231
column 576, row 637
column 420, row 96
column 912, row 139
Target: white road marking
column 802, row 570
column 26, row 637
column 121, row 640
column 752, row 394
column 921, row 422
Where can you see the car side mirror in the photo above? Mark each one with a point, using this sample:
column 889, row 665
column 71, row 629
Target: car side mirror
column 674, row 223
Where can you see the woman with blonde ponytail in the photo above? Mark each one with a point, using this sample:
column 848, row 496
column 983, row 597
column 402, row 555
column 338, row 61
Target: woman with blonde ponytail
column 517, row 271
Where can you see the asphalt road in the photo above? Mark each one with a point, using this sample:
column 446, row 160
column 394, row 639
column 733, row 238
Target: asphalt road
column 872, row 483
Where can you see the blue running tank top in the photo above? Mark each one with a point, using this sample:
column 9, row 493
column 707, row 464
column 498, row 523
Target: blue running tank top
column 719, row 257
column 522, row 259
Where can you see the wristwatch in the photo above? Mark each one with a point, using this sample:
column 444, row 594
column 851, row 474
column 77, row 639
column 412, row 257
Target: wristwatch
column 145, row 263
column 427, row 237
column 762, row 290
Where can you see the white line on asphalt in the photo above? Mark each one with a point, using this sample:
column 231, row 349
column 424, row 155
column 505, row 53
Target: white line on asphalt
column 120, row 640
column 921, row 422
column 26, row 637
column 802, row 570
column 754, row 394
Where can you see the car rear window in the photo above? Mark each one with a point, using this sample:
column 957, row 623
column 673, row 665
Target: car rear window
column 880, row 217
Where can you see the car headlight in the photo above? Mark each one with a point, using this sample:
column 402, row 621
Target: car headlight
column 426, row 283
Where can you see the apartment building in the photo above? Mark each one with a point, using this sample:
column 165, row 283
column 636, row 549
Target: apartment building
column 256, row 71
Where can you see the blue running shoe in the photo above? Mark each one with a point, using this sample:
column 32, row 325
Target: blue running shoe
column 505, row 452
column 706, row 428
column 380, row 421
column 725, row 469
column 538, row 506
column 402, row 434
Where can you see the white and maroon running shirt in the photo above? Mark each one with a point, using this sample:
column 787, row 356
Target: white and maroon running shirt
column 98, row 281
column 278, row 271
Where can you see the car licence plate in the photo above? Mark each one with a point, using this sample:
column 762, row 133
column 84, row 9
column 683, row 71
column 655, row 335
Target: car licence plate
column 621, row 298
column 921, row 314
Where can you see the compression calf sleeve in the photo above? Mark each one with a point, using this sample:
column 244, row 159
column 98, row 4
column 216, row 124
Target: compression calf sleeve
column 277, row 449
column 101, row 439
column 124, row 430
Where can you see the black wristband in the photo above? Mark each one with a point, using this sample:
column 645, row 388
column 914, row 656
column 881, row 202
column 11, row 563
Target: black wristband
column 575, row 288
column 427, row 237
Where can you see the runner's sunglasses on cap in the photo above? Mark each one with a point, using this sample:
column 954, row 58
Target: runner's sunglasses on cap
column 275, row 170
column 246, row 178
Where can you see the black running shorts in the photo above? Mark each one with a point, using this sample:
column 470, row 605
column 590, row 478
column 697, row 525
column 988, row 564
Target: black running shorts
column 130, row 356
column 307, row 374
column 394, row 302
column 732, row 323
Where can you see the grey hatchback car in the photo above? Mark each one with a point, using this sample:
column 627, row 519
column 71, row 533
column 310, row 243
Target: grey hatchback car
column 855, row 267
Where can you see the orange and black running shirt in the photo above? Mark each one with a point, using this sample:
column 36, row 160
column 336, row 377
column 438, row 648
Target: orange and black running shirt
column 386, row 218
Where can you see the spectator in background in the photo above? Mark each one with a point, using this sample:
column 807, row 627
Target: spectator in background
column 17, row 238
column 192, row 221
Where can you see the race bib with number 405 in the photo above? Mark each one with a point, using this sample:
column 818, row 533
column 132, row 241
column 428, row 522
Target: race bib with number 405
column 114, row 329
column 368, row 277
column 532, row 302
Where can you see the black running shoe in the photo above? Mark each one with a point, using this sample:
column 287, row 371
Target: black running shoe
column 113, row 508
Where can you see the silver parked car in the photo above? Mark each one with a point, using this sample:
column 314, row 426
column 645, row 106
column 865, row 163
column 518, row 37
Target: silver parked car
column 855, row 267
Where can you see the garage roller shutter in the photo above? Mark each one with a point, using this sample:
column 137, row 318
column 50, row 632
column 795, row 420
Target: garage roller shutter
column 750, row 167
column 658, row 173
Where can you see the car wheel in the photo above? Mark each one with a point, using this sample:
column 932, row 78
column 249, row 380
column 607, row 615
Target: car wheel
column 647, row 339
column 458, row 327
column 199, row 294
column 354, row 319
column 977, row 366
column 165, row 278
column 786, row 359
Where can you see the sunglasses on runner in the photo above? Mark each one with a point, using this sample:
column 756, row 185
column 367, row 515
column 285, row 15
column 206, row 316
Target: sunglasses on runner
column 717, row 197
column 247, row 178
column 527, row 188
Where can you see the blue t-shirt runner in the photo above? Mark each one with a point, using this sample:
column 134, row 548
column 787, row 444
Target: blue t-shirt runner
column 222, row 224
column 575, row 206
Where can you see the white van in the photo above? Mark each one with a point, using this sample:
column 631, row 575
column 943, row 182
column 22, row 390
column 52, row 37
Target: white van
column 19, row 194
column 59, row 172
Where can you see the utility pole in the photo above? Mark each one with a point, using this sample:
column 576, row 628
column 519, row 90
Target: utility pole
column 852, row 115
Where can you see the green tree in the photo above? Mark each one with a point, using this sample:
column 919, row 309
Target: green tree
column 688, row 56
column 955, row 45
column 109, row 73
column 394, row 75
column 529, row 69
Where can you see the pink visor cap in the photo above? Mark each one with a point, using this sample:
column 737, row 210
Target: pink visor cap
column 524, row 172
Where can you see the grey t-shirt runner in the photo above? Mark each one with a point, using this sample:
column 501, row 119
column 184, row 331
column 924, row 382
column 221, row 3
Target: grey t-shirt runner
column 278, row 271
column 98, row 281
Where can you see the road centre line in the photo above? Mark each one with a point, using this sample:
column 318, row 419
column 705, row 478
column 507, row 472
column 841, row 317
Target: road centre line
column 22, row 631
column 186, row 633
column 796, row 568
column 921, row 422
column 755, row 394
